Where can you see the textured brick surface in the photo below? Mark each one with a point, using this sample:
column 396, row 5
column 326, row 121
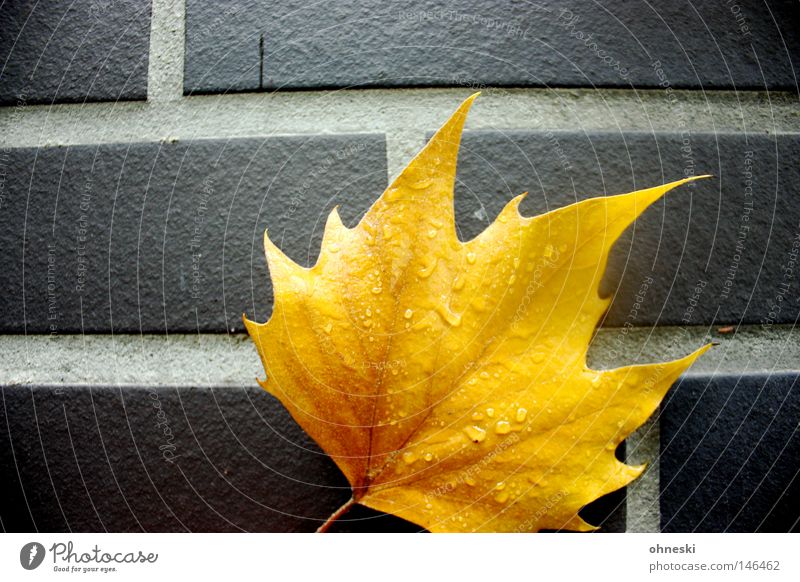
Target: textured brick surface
column 421, row 42
column 168, row 236
column 99, row 459
column 174, row 459
column 86, row 50
column 730, row 454
column 152, row 237
column 223, row 46
column 734, row 237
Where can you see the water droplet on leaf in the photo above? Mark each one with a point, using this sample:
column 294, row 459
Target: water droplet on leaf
column 502, row 427
column 475, row 433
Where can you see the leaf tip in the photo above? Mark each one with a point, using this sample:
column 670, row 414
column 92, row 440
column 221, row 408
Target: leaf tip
column 249, row 325
column 702, row 350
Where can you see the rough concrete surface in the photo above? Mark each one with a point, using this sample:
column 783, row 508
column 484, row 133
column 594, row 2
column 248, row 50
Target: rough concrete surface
column 295, row 44
column 730, row 454
column 231, row 360
column 151, row 237
column 77, row 51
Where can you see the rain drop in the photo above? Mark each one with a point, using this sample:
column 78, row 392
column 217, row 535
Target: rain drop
column 408, row 314
column 501, row 497
column 502, row 427
column 409, row 457
column 427, row 270
column 475, row 433
column 471, row 258
column 453, row 319
column 421, row 185
column 521, row 414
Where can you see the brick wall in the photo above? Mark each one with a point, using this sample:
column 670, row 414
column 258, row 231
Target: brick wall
column 146, row 146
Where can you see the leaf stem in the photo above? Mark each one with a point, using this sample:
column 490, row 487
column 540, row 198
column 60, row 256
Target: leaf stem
column 336, row 515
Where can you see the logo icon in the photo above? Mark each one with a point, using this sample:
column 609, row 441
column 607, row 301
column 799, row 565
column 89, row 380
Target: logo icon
column 31, row 555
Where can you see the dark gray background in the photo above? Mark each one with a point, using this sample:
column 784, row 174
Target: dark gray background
column 81, row 50
column 294, row 44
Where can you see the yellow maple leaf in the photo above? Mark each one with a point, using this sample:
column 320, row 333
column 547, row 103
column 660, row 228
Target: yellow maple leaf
column 448, row 379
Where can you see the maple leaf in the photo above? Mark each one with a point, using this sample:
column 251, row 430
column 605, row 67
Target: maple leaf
column 448, row 379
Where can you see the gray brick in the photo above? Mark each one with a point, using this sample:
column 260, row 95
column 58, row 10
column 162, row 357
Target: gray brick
column 104, row 458
column 86, row 50
column 94, row 459
column 694, row 234
column 617, row 43
column 730, row 452
column 223, row 46
column 168, row 236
